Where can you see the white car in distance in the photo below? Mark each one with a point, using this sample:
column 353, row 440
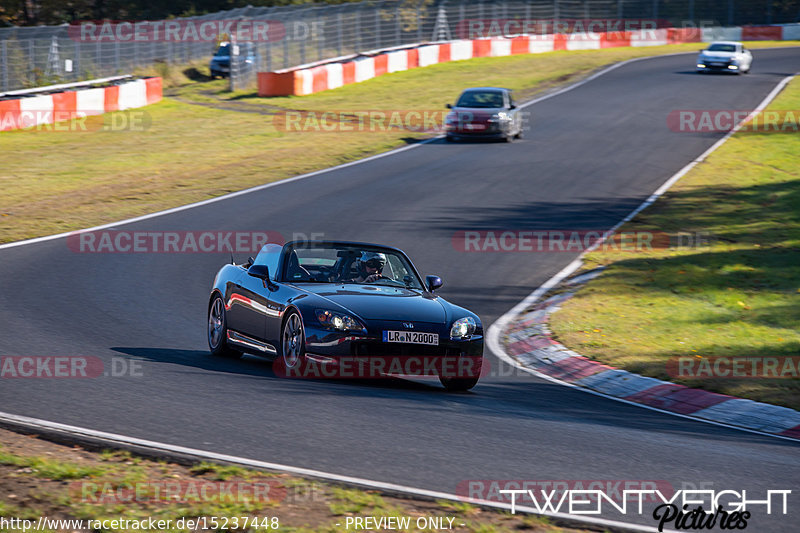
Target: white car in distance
column 725, row 56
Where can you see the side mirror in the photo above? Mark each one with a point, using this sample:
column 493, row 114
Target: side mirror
column 433, row 282
column 259, row 271
column 449, row 106
column 513, row 106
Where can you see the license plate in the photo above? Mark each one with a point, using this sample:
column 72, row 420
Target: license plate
column 474, row 126
column 411, row 337
column 717, row 64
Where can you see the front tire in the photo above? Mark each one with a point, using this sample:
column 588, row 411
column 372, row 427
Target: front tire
column 293, row 344
column 458, row 384
column 218, row 330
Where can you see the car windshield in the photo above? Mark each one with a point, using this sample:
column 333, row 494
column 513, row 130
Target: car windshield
column 722, row 48
column 481, row 99
column 224, row 50
column 330, row 263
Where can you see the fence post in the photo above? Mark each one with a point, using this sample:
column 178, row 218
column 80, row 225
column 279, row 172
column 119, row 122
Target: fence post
column 4, row 57
column 462, row 23
column 377, row 27
column 76, row 68
column 31, row 60
column 619, row 8
column 397, row 25
column 319, row 37
column 419, row 25
column 358, row 29
column 116, row 56
column 303, row 47
column 691, row 10
column 527, row 23
column 339, row 35
column 655, row 10
column 286, row 48
column 730, row 12
column 233, row 66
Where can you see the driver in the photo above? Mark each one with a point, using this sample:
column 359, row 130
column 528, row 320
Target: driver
column 370, row 266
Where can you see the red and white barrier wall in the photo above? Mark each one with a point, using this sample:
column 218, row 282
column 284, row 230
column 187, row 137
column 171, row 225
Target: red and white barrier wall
column 318, row 77
column 36, row 110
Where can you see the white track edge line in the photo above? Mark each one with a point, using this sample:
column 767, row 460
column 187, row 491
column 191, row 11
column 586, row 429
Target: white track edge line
column 494, row 331
column 316, row 172
column 202, row 454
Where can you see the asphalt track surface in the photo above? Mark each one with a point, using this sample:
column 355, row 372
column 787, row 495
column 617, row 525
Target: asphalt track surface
column 588, row 158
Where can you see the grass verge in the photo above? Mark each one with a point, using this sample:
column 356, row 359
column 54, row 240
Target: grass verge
column 115, row 485
column 202, row 142
column 739, row 295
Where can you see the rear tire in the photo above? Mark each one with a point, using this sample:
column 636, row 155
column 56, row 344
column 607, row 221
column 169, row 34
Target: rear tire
column 449, row 138
column 218, row 330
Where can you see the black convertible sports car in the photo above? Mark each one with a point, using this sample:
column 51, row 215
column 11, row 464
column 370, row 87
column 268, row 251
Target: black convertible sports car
column 343, row 309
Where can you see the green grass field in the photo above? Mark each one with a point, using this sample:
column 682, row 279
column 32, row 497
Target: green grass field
column 202, row 142
column 737, row 296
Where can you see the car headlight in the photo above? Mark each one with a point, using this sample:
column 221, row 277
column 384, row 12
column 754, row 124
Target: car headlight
column 499, row 117
column 463, row 328
column 338, row 321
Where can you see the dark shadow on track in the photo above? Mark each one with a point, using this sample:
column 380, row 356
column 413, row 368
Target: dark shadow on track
column 502, row 396
column 251, row 365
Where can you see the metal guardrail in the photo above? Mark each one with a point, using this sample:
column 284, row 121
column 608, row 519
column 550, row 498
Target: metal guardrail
column 62, row 86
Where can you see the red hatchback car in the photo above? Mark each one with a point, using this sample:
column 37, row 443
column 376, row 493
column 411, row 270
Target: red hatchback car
column 484, row 112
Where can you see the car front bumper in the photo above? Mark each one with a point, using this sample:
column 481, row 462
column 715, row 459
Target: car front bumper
column 366, row 355
column 717, row 67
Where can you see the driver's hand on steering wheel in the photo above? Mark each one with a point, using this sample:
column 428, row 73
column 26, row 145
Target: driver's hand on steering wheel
column 373, row 277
